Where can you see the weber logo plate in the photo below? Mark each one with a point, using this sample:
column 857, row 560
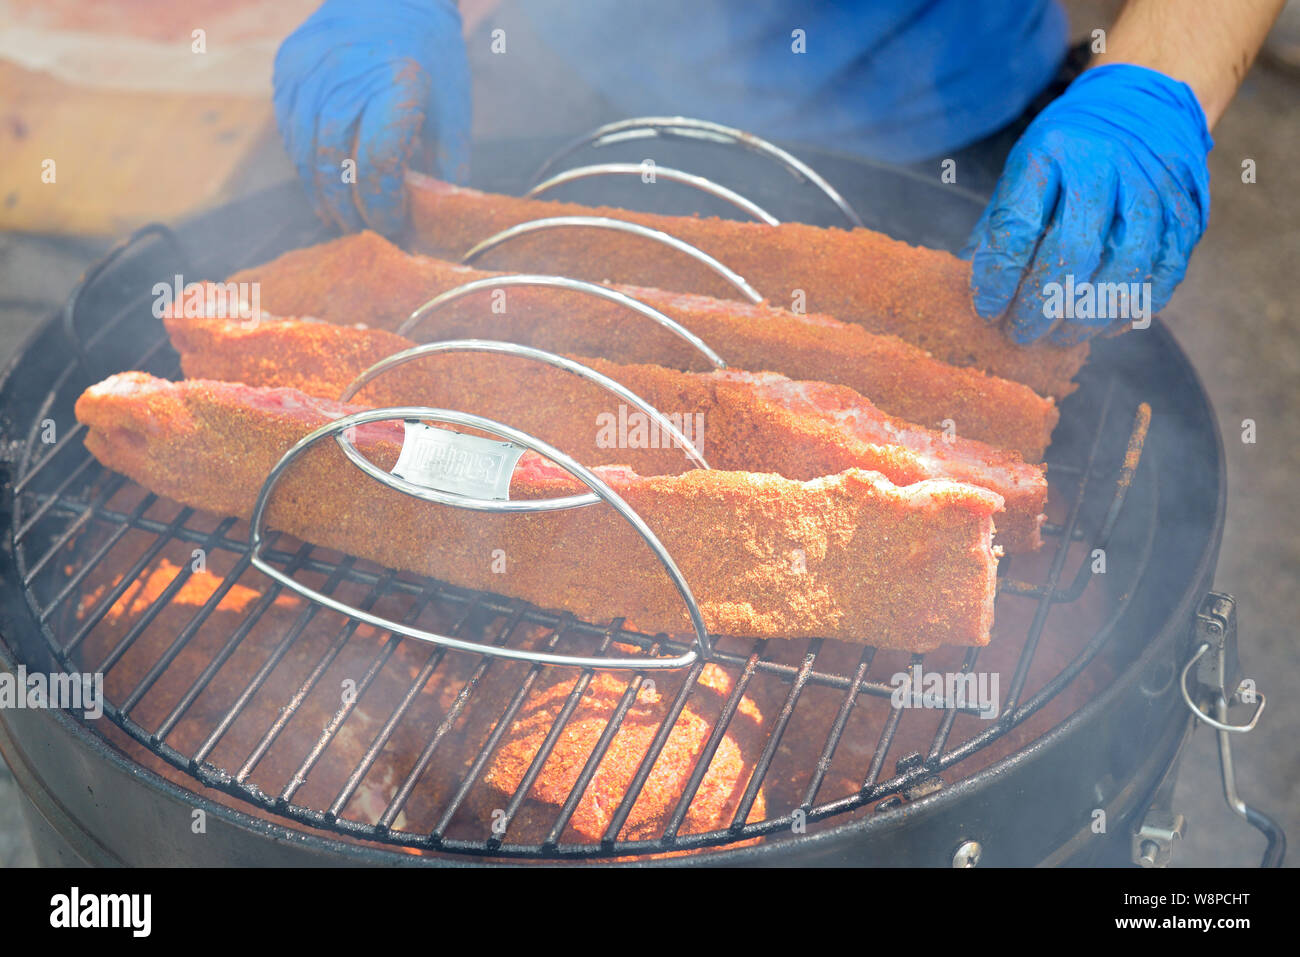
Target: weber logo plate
column 454, row 462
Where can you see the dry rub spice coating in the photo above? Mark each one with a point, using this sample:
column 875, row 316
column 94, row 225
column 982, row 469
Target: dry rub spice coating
column 739, row 421
column 860, row 276
column 366, row 279
column 847, row 556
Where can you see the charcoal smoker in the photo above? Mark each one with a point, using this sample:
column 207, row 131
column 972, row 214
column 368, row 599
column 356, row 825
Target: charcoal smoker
column 1136, row 469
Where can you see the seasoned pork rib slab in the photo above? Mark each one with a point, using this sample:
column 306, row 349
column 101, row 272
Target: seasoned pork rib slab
column 848, row 556
column 859, row 276
column 366, row 279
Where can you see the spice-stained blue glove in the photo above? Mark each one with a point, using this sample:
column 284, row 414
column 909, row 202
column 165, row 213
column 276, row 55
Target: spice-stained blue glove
column 1108, row 185
column 384, row 84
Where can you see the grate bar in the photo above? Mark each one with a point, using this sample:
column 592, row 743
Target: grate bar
column 837, row 728
column 501, row 825
column 118, row 590
column 1132, row 456
column 34, row 570
column 774, row 737
column 28, row 470
column 232, row 643
column 950, row 713
column 289, row 709
column 498, row 731
column 349, row 705
column 444, row 727
column 886, row 740
column 720, row 727
column 381, row 738
column 305, row 617
column 597, row 756
column 186, row 635
column 133, row 307
column 74, row 581
column 146, row 617
column 1045, row 595
column 651, row 756
column 1044, row 608
column 1012, row 717
column 43, row 508
column 32, row 471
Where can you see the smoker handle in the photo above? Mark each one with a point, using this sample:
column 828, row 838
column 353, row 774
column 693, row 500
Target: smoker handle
column 68, row 317
column 1215, row 662
column 1275, row 851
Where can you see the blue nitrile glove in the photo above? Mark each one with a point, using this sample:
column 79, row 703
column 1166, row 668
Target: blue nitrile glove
column 381, row 82
column 1108, row 184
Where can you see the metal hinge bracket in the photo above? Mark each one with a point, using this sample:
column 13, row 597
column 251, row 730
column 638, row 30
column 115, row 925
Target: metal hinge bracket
column 1153, row 843
column 1217, row 670
column 1216, row 625
column 924, row 785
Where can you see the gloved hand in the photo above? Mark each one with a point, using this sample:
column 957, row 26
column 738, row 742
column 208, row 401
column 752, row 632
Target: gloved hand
column 381, row 82
column 1108, row 184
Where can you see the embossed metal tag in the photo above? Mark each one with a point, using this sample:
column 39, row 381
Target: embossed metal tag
column 454, row 462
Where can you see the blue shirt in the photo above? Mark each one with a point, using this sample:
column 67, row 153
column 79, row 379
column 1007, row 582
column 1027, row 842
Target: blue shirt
column 899, row 81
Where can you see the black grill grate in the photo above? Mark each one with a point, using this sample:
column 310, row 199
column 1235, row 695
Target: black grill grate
column 65, row 527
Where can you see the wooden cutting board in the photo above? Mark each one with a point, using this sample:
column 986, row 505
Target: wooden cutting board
column 122, row 158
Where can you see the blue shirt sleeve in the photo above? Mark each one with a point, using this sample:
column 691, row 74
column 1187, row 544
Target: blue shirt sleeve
column 899, row 81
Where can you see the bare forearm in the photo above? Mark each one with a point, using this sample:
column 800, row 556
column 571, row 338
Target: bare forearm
column 1207, row 44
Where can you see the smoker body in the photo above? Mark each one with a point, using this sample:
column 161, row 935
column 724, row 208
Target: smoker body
column 90, row 803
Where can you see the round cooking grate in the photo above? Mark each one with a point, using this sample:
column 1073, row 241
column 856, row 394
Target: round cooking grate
column 215, row 674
